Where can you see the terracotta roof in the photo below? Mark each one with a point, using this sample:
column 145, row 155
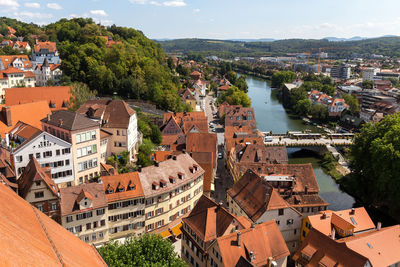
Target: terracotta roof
column 128, row 182
column 255, row 196
column 187, row 95
column 203, row 142
column 243, row 139
column 381, row 247
column 58, row 96
column 30, row 238
column 232, row 131
column 50, row 46
column 70, row 195
column 113, row 113
column 240, row 116
column 264, row 240
column 210, row 220
column 250, row 153
column 161, row 155
column 33, row 172
column 185, row 116
column 104, row 134
column 30, row 113
column 71, row 121
column 110, row 170
column 7, row 182
column 7, row 60
column 168, row 168
column 204, row 159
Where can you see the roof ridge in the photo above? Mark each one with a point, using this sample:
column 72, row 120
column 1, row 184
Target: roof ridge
column 48, row 237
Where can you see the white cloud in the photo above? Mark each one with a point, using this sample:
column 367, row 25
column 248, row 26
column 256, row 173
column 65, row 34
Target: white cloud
column 98, row 12
column 9, row 4
column 54, row 6
column 32, row 15
column 32, row 5
column 174, row 3
column 196, row 10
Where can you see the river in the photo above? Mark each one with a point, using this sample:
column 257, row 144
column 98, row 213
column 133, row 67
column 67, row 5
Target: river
column 271, row 116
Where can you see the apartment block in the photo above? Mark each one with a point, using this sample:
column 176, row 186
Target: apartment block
column 126, row 205
column 83, row 212
column 171, row 189
column 84, row 136
column 50, row 151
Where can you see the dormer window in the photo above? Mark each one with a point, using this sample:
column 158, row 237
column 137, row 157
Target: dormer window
column 163, row 183
column 191, row 170
column 155, row 185
column 172, row 179
column 109, row 189
column 195, row 167
column 181, row 175
column 120, row 188
column 131, row 186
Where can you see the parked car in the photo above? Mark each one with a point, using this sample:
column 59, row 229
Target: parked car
column 268, row 139
column 214, row 130
column 211, row 125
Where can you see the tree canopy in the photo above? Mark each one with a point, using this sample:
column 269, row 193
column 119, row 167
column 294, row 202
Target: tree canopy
column 281, row 77
column 375, row 165
column 146, row 250
column 234, row 96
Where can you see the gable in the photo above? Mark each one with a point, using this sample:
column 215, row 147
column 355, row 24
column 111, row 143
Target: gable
column 171, row 128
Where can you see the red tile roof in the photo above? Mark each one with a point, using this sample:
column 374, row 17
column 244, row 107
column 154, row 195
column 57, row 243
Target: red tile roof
column 7, row 60
column 129, row 182
column 50, row 46
column 30, row 238
column 57, row 96
column 264, row 241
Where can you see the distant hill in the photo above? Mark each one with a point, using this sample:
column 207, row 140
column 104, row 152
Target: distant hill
column 388, row 46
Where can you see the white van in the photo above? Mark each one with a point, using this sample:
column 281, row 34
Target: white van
column 268, row 139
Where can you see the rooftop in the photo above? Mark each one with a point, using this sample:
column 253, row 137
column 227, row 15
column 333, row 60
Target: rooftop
column 122, row 186
column 70, row 120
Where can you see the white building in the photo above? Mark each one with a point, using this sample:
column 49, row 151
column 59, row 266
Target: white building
column 44, row 73
column 13, row 77
column 369, row 73
column 27, row 142
column 20, row 62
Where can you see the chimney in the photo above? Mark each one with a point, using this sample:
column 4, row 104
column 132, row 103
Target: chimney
column 140, row 168
column 253, row 225
column 60, row 122
column 353, row 211
column 7, row 115
column 378, row 226
column 48, row 117
column 174, row 157
column 251, row 254
column 156, row 163
column 238, row 239
column 333, row 233
column 306, row 189
column 323, row 215
column 184, row 151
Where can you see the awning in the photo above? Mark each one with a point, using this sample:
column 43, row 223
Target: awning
column 176, row 230
column 165, row 233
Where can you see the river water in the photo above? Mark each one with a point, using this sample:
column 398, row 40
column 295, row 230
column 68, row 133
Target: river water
column 271, row 116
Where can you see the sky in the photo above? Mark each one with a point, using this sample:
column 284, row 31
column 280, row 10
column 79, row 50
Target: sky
column 223, row 19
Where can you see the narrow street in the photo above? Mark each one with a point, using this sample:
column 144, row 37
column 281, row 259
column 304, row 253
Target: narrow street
column 223, row 180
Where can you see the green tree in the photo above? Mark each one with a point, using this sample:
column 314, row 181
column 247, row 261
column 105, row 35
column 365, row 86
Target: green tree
column 281, row 77
column 352, row 101
column 303, row 107
column 234, row 96
column 156, row 136
column 367, row 84
column 145, row 150
column 297, row 94
column 80, row 94
column 319, row 111
column 146, row 250
column 241, row 83
column 375, row 157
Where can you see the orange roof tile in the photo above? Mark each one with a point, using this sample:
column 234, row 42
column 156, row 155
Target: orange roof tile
column 132, row 187
column 51, row 46
column 7, row 60
column 30, row 238
column 58, row 96
column 30, row 113
column 361, row 219
column 264, row 240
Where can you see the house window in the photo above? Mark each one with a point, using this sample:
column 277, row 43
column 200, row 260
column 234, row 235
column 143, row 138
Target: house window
column 37, row 183
column 117, row 132
column 280, row 212
column 100, row 235
column 88, row 226
column 70, row 219
column 289, row 221
column 38, row 155
column 40, row 207
column 53, row 206
column 39, row 194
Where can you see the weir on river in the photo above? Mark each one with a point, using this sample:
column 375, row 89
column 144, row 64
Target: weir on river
column 271, row 116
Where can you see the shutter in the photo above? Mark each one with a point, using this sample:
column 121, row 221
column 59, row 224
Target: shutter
column 170, row 206
column 162, row 210
column 152, row 213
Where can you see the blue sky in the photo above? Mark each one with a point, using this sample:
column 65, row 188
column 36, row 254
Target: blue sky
column 223, row 19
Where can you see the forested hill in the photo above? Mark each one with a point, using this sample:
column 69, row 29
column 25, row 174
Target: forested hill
column 135, row 67
column 388, row 46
